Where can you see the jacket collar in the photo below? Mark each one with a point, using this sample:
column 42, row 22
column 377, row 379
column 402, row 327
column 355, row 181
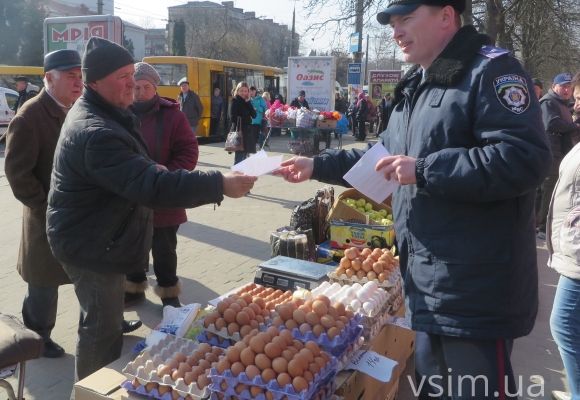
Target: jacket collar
column 554, row 96
column 53, row 109
column 451, row 66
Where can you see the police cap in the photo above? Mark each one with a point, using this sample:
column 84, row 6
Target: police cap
column 403, row 7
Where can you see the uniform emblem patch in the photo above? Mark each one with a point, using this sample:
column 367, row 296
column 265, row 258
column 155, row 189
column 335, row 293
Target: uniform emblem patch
column 512, row 92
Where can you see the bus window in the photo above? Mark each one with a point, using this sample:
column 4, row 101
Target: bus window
column 170, row 73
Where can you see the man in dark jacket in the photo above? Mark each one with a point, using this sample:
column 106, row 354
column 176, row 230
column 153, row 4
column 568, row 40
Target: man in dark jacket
column 218, row 108
column 562, row 133
column 102, row 191
column 190, row 104
column 26, row 91
column 384, row 112
column 300, row 101
column 468, row 151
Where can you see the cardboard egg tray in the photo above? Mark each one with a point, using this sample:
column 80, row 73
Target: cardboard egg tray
column 346, row 357
column 127, row 385
column 387, row 285
column 373, row 313
column 144, row 367
column 320, row 382
column 224, row 331
column 342, row 349
column 202, row 338
column 371, row 330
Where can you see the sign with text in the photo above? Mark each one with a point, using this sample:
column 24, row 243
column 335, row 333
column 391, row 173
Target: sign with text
column 354, row 43
column 354, row 73
column 373, row 364
column 383, row 82
column 314, row 75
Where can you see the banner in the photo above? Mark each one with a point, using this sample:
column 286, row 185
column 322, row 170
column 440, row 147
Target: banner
column 314, row 75
column 383, row 82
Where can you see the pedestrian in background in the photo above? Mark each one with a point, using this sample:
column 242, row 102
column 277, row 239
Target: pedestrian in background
column 266, row 96
column 103, row 188
column 242, row 113
column 351, row 114
column 259, row 105
column 190, row 104
column 362, row 114
column 300, row 101
column 26, row 91
column 172, row 144
column 564, row 250
column 538, row 87
column 562, row 133
column 218, row 108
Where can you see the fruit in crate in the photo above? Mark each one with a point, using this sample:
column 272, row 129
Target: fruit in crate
column 366, row 263
column 381, row 216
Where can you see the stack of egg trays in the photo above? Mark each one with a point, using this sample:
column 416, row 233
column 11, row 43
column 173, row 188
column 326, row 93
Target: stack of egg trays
column 345, row 358
column 329, row 388
column 214, row 341
column 320, row 381
column 144, row 367
column 224, row 331
column 386, row 285
column 340, row 350
column 128, row 386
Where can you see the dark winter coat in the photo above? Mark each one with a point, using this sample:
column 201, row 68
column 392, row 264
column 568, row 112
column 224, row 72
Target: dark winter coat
column 339, row 105
column 218, row 106
column 104, row 186
column 191, row 107
column 30, row 143
column 25, row 95
column 178, row 149
column 296, row 103
column 466, row 230
column 363, row 111
column 239, row 107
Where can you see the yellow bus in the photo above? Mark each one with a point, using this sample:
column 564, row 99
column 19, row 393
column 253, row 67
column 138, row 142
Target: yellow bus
column 204, row 75
column 9, row 72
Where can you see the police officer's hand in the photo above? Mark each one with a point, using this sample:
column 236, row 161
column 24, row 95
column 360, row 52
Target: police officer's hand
column 296, row 169
column 236, row 184
column 399, row 168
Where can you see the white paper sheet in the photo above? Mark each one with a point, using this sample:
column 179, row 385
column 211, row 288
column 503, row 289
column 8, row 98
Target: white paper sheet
column 373, row 364
column 366, row 180
column 258, row 164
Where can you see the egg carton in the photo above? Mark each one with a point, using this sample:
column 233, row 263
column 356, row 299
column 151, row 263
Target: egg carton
column 380, row 316
column 232, row 381
column 279, row 393
column 346, row 357
column 231, row 292
column 329, row 390
column 372, row 330
column 370, row 315
column 342, row 349
column 144, row 367
column 154, row 393
column 202, row 338
column 386, row 285
column 236, row 337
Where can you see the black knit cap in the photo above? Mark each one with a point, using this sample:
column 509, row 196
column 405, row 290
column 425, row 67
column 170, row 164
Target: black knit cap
column 404, row 7
column 103, row 57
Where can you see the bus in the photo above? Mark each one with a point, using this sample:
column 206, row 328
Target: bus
column 9, row 72
column 205, row 75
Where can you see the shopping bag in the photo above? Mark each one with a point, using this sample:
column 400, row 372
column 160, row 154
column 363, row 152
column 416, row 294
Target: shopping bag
column 235, row 139
column 304, row 119
column 292, row 243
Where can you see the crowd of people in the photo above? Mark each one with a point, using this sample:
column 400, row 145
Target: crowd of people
column 105, row 168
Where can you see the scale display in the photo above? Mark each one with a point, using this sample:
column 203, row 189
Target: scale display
column 290, row 274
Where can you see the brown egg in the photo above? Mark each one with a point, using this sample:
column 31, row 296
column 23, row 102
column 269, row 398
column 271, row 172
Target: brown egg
column 235, row 307
column 230, row 300
column 259, row 302
column 222, row 306
column 350, row 272
column 292, row 306
column 197, row 370
column 242, row 303
column 349, row 314
column 321, row 361
column 383, row 276
column 284, row 379
column 287, row 336
column 237, row 368
column 308, row 376
column 299, row 384
column 190, row 377
column 291, row 324
column 265, row 313
column 360, row 274
column 298, row 344
column 339, row 308
column 272, row 331
column 371, row 275
column 233, row 354
column 233, row 328
column 240, row 345
column 251, row 314
column 304, row 329
column 318, row 330
column 285, row 313
column 345, row 263
column 203, row 364
column 277, row 322
column 242, row 318
column 340, row 271
column 327, row 321
column 271, row 306
column 220, row 324
column 175, row 395
column 280, row 365
column 135, row 383
column 295, row 368
column 356, row 265
column 252, row 371
column 332, row 333
column 245, row 331
column 208, row 320
column 255, row 308
column 173, row 364
column 192, row 361
column 308, row 354
column 272, row 350
column 265, row 337
column 223, row 364
column 280, row 342
column 263, row 362
column 287, row 355
column 240, row 387
column 322, row 298
column 150, row 386
column 162, row 389
column 163, row 370
column 185, row 367
column 180, row 357
column 269, row 395
column 333, row 312
column 304, row 308
column 255, row 391
column 257, row 344
column 350, row 254
column 314, row 368
column 254, row 324
column 211, row 358
column 299, row 316
column 312, row 319
column 247, row 356
column 302, row 359
column 313, row 347
column 367, row 265
column 340, row 325
column 230, row 316
column 379, row 267
column 209, row 335
column 268, row 374
column 175, row 375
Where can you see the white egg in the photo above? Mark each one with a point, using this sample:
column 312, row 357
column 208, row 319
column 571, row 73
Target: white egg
column 356, row 286
column 372, row 285
column 344, row 300
column 328, row 292
column 363, row 295
column 368, row 307
column 350, row 293
column 333, row 299
column 324, row 285
column 374, row 302
column 308, row 296
column 355, row 304
column 335, row 286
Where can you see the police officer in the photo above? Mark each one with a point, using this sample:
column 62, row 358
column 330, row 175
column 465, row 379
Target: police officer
column 468, row 150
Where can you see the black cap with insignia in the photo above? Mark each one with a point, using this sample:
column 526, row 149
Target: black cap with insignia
column 403, row 7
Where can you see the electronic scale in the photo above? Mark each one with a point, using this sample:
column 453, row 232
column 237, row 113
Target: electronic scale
column 287, row 273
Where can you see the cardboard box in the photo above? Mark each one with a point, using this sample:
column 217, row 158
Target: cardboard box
column 347, row 234
column 342, row 212
column 105, row 384
column 326, row 123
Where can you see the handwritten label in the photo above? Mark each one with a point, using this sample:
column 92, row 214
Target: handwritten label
column 400, row 322
column 373, row 364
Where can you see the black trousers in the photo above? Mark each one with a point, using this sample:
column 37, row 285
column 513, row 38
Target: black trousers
column 164, row 258
column 213, row 125
column 448, row 367
column 362, row 129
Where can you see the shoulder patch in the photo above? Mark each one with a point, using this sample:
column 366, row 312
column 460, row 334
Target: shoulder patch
column 512, row 92
column 492, row 51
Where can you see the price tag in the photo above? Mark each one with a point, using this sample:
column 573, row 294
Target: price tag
column 400, row 322
column 373, row 364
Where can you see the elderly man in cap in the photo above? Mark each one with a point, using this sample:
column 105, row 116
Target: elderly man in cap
column 103, row 188
column 26, row 91
column 30, row 142
column 562, row 133
column 171, row 143
column 468, row 150
column 190, row 104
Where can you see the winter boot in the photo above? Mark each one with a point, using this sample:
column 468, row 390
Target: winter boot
column 169, row 295
column 135, row 292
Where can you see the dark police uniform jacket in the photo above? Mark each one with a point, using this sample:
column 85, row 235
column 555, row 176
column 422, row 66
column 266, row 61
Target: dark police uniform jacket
column 466, row 231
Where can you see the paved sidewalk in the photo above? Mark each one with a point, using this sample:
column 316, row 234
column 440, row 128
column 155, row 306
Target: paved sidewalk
column 218, row 250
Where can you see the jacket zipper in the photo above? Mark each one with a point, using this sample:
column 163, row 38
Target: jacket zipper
column 121, row 225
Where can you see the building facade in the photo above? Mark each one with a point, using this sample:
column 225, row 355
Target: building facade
column 85, row 7
column 156, row 43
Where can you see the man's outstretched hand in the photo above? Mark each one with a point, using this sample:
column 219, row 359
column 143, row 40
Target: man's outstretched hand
column 236, row 184
column 296, row 169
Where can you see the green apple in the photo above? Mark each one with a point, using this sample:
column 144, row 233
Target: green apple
column 350, row 201
column 363, row 202
column 359, row 204
column 368, row 206
column 352, row 205
column 378, row 215
column 360, row 210
column 390, row 216
column 387, row 222
column 383, row 212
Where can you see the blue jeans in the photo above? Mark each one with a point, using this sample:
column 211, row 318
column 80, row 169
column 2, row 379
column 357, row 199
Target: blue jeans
column 239, row 157
column 100, row 339
column 565, row 327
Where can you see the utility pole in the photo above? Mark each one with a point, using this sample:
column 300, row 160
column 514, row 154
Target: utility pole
column 366, row 61
column 293, row 30
column 100, row 7
column 358, row 27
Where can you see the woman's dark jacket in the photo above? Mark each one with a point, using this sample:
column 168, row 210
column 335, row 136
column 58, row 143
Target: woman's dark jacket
column 239, row 107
